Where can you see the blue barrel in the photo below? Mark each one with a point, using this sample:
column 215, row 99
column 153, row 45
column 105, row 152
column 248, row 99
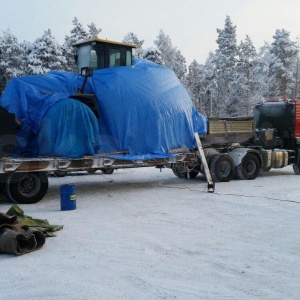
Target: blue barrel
column 68, row 197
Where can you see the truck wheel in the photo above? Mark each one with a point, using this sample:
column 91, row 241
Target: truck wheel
column 221, row 168
column 296, row 169
column 182, row 174
column 26, row 188
column 91, row 171
column 107, row 171
column 249, row 168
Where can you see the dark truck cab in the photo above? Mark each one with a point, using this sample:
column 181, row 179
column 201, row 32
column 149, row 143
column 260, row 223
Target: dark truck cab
column 99, row 54
column 7, row 132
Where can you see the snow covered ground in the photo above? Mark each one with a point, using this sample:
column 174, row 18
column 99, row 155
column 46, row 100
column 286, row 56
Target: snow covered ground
column 142, row 234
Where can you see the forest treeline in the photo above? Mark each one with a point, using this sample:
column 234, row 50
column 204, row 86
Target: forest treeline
column 230, row 82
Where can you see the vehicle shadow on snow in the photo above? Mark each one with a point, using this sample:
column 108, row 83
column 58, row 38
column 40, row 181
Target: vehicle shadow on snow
column 113, row 185
column 3, row 199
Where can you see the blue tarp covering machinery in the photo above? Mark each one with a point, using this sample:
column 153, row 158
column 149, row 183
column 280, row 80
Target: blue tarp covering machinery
column 144, row 111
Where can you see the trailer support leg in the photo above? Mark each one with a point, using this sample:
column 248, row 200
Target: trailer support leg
column 210, row 183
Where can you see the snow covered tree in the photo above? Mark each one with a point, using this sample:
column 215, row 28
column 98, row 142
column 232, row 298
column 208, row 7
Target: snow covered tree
column 172, row 58
column 193, row 83
column 297, row 85
column 261, row 72
column 10, row 59
column 209, row 88
column 225, row 60
column 45, row 55
column 154, row 55
column 179, row 66
column 244, row 85
column 77, row 33
column 93, row 31
column 132, row 38
column 164, row 45
column 283, row 65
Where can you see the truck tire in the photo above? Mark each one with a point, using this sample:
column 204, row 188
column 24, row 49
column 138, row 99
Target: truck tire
column 249, row 168
column 26, row 188
column 182, row 174
column 91, row 171
column 296, row 169
column 221, row 168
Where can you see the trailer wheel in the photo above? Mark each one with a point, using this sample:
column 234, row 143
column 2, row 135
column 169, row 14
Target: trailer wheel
column 221, row 168
column 296, row 169
column 60, row 173
column 26, row 188
column 249, row 168
column 183, row 174
column 107, row 171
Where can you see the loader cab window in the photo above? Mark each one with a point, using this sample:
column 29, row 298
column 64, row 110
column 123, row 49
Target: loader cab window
column 97, row 58
column 128, row 58
column 114, row 58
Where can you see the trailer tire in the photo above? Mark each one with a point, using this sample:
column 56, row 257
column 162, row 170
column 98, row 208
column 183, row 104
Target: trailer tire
column 183, row 174
column 107, row 171
column 249, row 167
column 221, row 168
column 296, row 169
column 59, row 173
column 26, row 188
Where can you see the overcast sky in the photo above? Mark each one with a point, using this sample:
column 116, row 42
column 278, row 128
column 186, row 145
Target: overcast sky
column 191, row 24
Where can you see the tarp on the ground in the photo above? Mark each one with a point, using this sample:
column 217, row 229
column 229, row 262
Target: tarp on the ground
column 144, row 109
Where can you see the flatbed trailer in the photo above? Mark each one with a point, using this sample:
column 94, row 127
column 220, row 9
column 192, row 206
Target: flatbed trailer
column 25, row 180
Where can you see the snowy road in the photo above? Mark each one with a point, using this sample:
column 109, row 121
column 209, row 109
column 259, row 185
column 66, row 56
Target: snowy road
column 142, row 234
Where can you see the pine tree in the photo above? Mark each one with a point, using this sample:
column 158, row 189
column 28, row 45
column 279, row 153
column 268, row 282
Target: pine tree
column 225, row 62
column 154, row 55
column 132, row 38
column 77, row 34
column 245, row 84
column 10, row 59
column 297, row 84
column 283, row 65
column 93, row 31
column 261, row 72
column 46, row 54
column 179, row 66
column 164, row 45
column 193, row 83
column 209, row 88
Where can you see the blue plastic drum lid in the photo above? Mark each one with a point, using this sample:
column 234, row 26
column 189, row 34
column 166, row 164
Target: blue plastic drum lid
column 68, row 197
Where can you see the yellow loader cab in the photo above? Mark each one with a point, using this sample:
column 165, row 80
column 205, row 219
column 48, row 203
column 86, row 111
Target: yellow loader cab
column 99, row 54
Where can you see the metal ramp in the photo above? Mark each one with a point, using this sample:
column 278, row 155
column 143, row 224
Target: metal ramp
column 210, row 182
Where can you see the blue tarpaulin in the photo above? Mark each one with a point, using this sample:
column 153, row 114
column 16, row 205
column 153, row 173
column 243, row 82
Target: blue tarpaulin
column 144, row 110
